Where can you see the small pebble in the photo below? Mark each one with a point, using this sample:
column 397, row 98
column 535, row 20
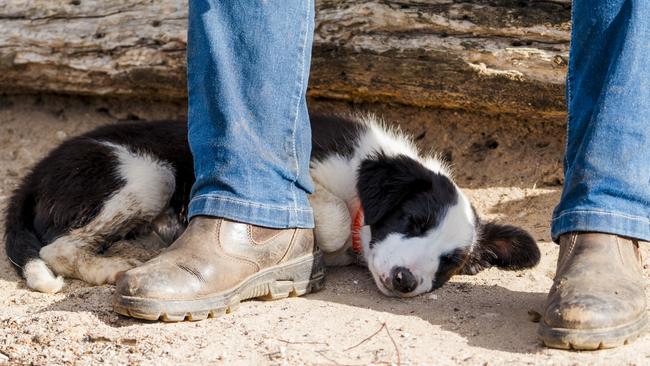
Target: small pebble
column 534, row 316
column 433, row 297
column 61, row 135
column 94, row 338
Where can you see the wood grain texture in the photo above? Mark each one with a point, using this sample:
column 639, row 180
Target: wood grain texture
column 481, row 55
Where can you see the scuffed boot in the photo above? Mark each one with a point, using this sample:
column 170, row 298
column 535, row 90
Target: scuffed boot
column 214, row 265
column 597, row 299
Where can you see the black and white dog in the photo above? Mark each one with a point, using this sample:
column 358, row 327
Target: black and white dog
column 133, row 179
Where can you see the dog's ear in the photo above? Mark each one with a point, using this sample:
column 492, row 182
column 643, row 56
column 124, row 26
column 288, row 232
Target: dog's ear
column 505, row 246
column 385, row 182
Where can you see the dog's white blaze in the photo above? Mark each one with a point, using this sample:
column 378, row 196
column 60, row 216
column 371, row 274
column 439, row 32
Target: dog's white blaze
column 40, row 278
column 421, row 255
column 379, row 138
column 150, row 183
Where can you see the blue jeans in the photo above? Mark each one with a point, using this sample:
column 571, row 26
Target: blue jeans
column 607, row 163
column 248, row 65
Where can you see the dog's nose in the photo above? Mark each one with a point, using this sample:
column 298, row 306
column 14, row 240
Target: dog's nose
column 403, row 280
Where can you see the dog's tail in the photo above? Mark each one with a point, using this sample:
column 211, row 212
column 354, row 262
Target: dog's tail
column 22, row 245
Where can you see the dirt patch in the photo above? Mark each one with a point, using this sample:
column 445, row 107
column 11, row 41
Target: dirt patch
column 509, row 168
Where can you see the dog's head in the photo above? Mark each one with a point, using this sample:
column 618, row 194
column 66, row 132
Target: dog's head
column 421, row 229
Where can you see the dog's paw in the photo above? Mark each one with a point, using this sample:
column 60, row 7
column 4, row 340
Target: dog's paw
column 102, row 270
column 342, row 257
column 471, row 269
column 332, row 219
column 120, row 266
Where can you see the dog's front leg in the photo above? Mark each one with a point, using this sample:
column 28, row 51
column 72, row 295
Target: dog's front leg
column 332, row 219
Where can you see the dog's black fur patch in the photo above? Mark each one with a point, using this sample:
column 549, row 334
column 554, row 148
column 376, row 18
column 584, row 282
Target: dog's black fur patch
column 334, row 135
column 400, row 195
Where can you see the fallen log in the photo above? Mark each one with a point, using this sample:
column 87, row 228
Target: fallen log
column 501, row 56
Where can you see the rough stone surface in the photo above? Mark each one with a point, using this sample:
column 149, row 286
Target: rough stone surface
column 491, row 56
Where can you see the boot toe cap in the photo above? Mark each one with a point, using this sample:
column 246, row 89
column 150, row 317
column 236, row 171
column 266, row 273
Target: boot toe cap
column 161, row 282
column 596, row 309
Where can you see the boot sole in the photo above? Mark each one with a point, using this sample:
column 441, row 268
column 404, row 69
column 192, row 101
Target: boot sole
column 294, row 278
column 592, row 339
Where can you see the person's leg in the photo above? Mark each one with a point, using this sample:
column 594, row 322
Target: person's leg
column 248, row 65
column 605, row 205
column 607, row 169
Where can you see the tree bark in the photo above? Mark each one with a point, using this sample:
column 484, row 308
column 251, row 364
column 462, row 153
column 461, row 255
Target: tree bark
column 501, row 56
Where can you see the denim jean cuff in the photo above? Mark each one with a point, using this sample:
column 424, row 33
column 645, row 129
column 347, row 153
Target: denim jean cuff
column 251, row 212
column 617, row 223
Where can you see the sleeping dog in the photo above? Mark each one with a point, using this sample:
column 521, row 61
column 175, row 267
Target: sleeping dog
column 376, row 199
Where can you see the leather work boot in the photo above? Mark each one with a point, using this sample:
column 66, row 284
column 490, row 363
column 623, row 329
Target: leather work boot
column 597, row 299
column 214, row 265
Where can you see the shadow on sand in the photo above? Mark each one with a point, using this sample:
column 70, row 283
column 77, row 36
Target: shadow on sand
column 491, row 317
column 487, row 316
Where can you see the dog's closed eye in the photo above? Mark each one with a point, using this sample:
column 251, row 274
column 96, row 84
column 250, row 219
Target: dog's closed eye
column 417, row 226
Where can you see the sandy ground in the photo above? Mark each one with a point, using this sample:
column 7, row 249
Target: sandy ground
column 509, row 167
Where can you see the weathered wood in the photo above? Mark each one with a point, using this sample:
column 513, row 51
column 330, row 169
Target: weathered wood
column 494, row 56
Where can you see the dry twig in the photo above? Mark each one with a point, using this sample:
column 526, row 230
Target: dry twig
column 399, row 361
column 383, row 325
column 302, row 342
